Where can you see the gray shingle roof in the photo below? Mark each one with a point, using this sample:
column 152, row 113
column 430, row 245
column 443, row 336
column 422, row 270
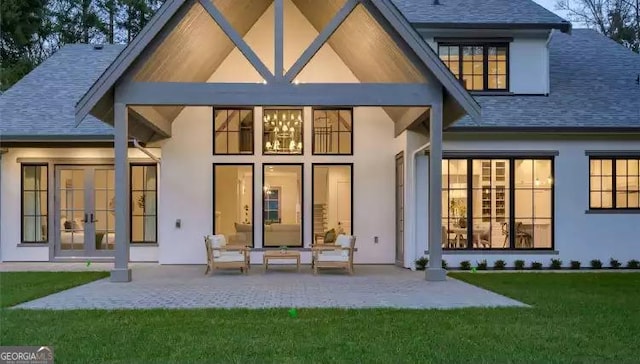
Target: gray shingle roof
column 476, row 11
column 593, row 84
column 43, row 102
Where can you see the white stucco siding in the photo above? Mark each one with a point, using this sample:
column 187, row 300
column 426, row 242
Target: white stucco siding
column 578, row 235
column 10, row 190
column 529, row 66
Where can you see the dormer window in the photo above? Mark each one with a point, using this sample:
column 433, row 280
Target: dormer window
column 480, row 67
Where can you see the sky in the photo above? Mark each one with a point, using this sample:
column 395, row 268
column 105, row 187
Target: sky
column 550, row 4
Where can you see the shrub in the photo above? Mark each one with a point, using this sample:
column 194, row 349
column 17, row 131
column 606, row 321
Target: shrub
column 519, row 264
column 633, row 264
column 556, row 264
column 444, row 264
column 536, row 265
column 465, row 265
column 499, row 264
column 575, row 264
column 482, row 265
column 421, row 264
column 614, row 264
column 596, row 264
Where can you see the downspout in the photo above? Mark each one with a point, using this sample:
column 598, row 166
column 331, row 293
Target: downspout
column 145, row 151
column 2, row 151
column 548, row 65
column 414, row 204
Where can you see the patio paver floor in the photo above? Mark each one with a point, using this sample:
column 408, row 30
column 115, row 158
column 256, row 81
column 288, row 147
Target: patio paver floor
column 176, row 287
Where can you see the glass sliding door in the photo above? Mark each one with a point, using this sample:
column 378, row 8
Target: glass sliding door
column 454, row 203
column 233, row 202
column 490, row 195
column 332, row 200
column 282, row 206
column 510, row 204
column 533, row 203
column 85, row 210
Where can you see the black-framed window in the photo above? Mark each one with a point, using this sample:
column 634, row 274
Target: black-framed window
column 498, row 203
column 144, row 203
column 614, row 183
column 283, row 131
column 35, row 206
column 288, row 180
column 271, row 209
column 333, row 131
column 233, row 131
column 332, row 191
column 480, row 67
column 233, row 203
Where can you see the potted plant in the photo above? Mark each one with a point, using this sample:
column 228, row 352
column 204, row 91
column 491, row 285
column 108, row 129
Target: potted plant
column 283, row 249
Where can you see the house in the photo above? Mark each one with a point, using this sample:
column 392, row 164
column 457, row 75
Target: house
column 421, row 127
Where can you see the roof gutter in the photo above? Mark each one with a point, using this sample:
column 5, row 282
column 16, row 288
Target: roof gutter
column 563, row 26
column 145, row 151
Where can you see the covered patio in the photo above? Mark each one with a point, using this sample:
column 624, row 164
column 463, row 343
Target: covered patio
column 177, row 287
column 169, row 66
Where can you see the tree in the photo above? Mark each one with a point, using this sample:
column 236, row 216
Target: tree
column 23, row 33
column 76, row 21
column 617, row 19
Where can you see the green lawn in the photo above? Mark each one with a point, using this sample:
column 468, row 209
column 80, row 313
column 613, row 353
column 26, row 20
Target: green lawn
column 18, row 287
column 579, row 318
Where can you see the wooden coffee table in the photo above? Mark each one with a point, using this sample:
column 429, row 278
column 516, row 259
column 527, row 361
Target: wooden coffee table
column 280, row 255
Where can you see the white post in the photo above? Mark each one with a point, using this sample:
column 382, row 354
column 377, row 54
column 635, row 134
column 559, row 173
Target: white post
column 121, row 271
column 434, row 271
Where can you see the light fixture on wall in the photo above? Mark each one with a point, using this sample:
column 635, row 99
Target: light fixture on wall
column 283, row 131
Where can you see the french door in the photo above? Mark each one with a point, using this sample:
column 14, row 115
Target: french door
column 85, row 211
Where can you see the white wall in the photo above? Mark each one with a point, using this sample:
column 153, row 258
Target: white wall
column 10, row 200
column 528, row 56
column 578, row 235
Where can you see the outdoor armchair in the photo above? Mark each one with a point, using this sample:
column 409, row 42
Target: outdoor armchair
column 221, row 255
column 338, row 255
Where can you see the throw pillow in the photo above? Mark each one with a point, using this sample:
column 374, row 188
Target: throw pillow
column 330, row 236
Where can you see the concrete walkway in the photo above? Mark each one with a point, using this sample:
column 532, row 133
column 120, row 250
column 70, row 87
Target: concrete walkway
column 155, row 286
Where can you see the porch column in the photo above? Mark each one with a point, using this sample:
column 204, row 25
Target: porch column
column 121, row 271
column 434, row 271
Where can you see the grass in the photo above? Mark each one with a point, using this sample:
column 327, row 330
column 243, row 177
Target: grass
column 18, row 287
column 580, row 318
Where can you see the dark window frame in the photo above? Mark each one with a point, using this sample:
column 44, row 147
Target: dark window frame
column 239, row 132
column 614, row 188
column 22, row 215
column 485, row 62
column 131, row 202
column 313, row 130
column 279, row 208
column 511, row 192
column 302, row 204
column 253, row 197
column 313, row 189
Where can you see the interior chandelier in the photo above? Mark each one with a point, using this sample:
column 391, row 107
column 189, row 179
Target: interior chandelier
column 283, row 131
